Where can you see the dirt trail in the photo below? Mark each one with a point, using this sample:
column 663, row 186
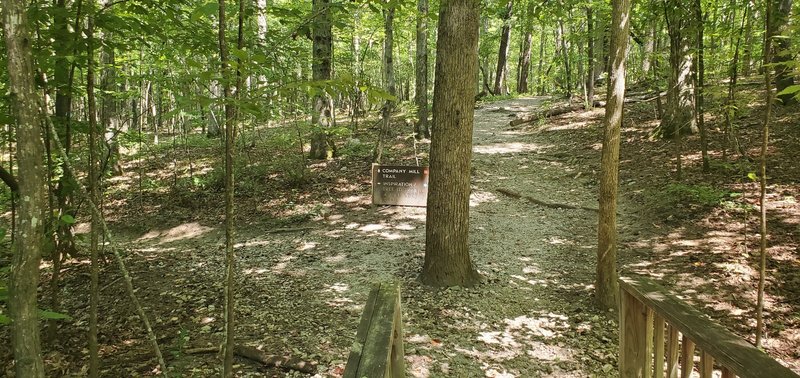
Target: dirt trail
column 303, row 291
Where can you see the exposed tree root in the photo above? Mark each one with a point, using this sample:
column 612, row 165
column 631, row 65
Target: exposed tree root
column 514, row 194
column 268, row 360
column 287, row 230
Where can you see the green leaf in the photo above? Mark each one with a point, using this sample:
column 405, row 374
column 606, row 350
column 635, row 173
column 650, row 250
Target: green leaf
column 53, row 315
column 67, row 219
column 792, row 89
column 4, row 319
column 205, row 10
column 241, row 54
column 752, row 176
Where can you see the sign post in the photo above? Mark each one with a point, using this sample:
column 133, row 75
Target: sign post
column 399, row 185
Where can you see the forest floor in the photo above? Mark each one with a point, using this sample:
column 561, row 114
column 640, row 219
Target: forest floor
column 309, row 251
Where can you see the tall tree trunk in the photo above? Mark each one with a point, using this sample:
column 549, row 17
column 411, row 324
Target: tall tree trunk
column 679, row 116
column 606, row 285
column 321, row 70
column 540, row 66
column 447, row 260
column 649, row 47
column 421, row 87
column 109, row 111
column 524, row 65
column 782, row 56
column 564, row 46
column 63, row 78
column 747, row 54
column 23, row 308
column 699, row 75
column 91, row 109
column 590, row 58
column 502, row 55
column 772, row 17
column 230, row 257
column 388, row 79
column 730, row 105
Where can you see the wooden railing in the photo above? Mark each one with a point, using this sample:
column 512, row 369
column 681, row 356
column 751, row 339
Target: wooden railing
column 660, row 334
column 378, row 348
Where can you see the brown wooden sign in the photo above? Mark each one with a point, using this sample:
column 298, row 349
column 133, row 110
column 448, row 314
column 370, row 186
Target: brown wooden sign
column 399, row 185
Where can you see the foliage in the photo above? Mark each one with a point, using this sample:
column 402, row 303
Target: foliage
column 697, row 195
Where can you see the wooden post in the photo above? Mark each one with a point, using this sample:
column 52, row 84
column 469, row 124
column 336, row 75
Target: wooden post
column 672, row 353
column 635, row 350
column 398, row 353
column 727, row 373
column 687, row 357
column 378, row 348
column 706, row 365
column 658, row 358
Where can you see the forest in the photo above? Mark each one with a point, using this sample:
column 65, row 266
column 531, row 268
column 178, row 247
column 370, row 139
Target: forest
column 190, row 188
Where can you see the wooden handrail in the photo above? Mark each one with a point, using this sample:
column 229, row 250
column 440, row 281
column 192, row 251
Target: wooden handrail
column 646, row 307
column 378, row 348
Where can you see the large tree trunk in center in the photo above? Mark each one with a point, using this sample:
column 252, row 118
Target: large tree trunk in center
column 679, row 117
column 502, row 55
column 321, row 70
column 23, row 309
column 606, row 285
column 447, row 260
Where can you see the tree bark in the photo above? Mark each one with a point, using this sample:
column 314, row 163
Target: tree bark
column 388, row 79
column 447, row 260
column 524, row 65
column 590, row 58
column 699, row 76
column 649, row 47
column 772, row 17
column 539, row 69
column 23, row 308
column 606, row 285
column 91, row 110
column 781, row 56
column 230, row 257
column 562, row 36
column 321, row 70
column 421, row 88
column 747, row 54
column 679, row 116
column 502, row 55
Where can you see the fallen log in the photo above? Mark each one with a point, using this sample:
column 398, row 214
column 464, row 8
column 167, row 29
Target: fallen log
column 268, row 360
column 551, row 113
column 635, row 100
column 539, row 202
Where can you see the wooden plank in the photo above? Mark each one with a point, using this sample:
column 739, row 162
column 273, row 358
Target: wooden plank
column 727, row 373
column 741, row 357
column 658, row 350
column 371, row 354
column 687, row 357
column 356, row 351
column 672, row 353
column 634, row 353
column 398, row 352
column 648, row 337
column 706, row 365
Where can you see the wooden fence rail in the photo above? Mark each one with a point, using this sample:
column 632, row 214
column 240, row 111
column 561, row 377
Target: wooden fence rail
column 660, row 336
column 378, row 349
